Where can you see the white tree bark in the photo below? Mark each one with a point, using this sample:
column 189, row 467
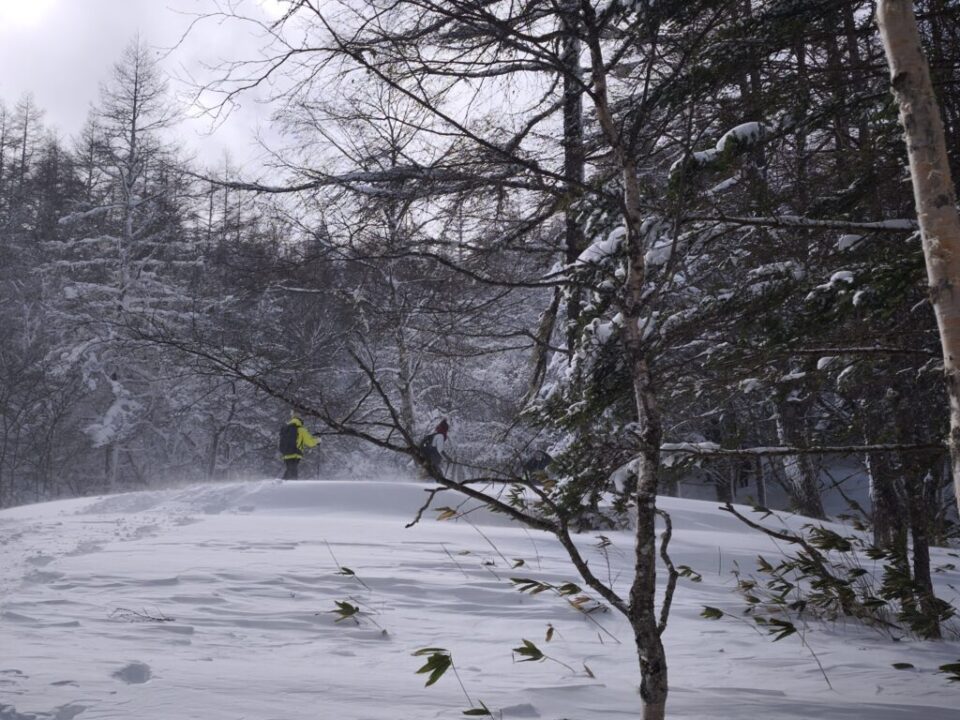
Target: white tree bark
column 405, row 381
column 799, row 469
column 933, row 191
column 654, row 683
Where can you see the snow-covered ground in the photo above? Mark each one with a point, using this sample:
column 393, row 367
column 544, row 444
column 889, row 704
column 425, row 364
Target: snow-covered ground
column 248, row 574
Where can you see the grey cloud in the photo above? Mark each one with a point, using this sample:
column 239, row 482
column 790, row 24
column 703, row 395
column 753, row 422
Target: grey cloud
column 64, row 59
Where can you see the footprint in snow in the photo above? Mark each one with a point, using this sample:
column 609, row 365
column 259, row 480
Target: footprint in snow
column 68, row 712
column 134, row 673
column 85, row 548
column 144, row 531
column 524, row 710
column 42, row 576
column 9, row 712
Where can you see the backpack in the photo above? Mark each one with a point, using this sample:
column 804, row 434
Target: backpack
column 288, row 440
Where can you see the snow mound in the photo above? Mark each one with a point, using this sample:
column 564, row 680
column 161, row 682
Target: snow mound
column 391, row 499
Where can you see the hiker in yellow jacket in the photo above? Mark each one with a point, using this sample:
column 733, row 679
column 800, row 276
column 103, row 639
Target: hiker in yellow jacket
column 294, row 439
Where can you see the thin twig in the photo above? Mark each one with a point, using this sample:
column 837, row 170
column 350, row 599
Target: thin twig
column 369, row 614
column 425, row 507
column 460, row 567
column 823, row 672
column 672, row 573
column 489, row 541
column 343, row 569
column 778, row 451
column 536, row 550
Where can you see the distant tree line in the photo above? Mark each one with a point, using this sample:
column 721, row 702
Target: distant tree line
column 113, row 239
column 99, row 234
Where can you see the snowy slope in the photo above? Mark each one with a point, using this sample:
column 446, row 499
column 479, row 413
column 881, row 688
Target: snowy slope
column 247, row 574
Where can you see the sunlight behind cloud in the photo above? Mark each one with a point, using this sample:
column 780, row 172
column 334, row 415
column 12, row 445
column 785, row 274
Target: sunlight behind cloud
column 273, row 8
column 20, row 14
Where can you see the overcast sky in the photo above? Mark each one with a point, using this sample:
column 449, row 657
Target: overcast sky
column 62, row 50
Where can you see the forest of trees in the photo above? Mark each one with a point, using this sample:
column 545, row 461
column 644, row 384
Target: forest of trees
column 654, row 239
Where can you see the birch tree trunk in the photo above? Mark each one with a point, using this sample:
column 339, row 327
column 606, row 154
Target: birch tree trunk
column 933, row 191
column 541, row 347
column 643, row 618
column 800, row 470
column 761, row 484
column 405, row 378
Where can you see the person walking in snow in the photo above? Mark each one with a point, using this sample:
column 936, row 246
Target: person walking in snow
column 434, row 445
column 294, row 439
column 535, row 466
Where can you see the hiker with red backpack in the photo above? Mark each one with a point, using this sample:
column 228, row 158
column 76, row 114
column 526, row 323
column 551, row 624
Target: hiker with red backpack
column 294, row 439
